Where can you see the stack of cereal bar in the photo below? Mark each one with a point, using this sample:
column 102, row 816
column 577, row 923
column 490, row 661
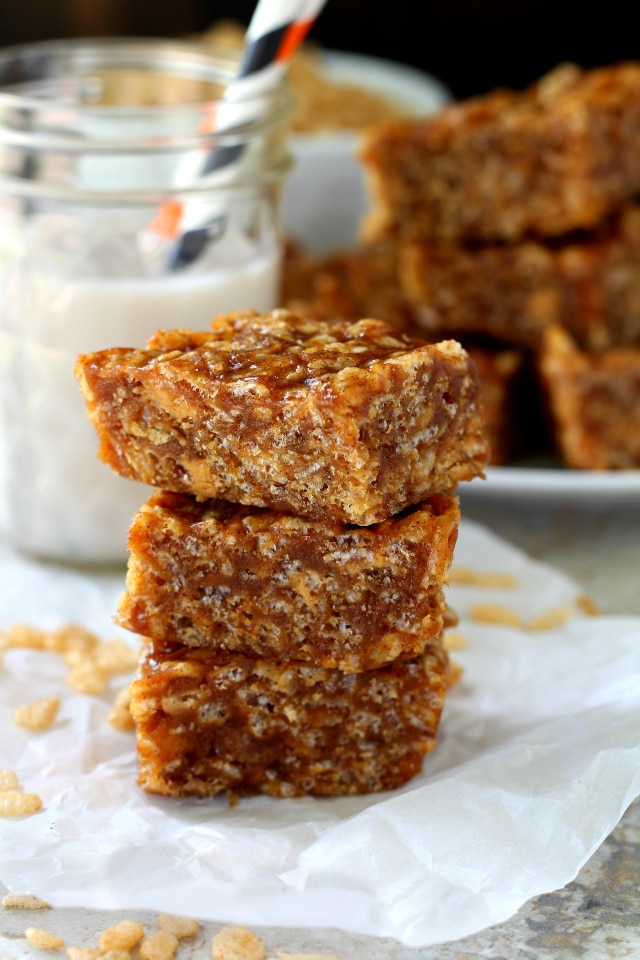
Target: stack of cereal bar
column 515, row 220
column 287, row 576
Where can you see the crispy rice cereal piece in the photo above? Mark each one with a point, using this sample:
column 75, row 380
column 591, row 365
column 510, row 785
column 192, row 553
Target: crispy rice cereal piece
column 237, row 943
column 8, row 780
column 38, row 715
column 557, row 157
column 490, row 579
column 495, row 613
column 124, row 935
column 17, row 803
column 161, row 945
column 120, row 715
column 71, row 639
column 454, row 641
column 269, row 584
column 180, row 927
column 43, row 939
column 22, row 635
column 588, row 283
column 588, row 605
column 210, row 723
column 85, row 677
column 551, row 618
column 84, row 953
column 24, row 901
column 593, row 402
column 116, row 656
column 343, row 422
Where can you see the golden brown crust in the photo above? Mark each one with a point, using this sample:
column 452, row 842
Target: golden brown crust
column 270, row 584
column 349, row 422
column 557, row 157
column 208, row 724
column 593, row 402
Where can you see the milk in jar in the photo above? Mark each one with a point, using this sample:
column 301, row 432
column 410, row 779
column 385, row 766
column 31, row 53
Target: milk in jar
column 83, row 267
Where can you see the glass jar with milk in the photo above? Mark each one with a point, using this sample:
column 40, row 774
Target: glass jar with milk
column 133, row 197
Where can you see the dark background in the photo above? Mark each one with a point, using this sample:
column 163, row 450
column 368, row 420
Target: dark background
column 471, row 45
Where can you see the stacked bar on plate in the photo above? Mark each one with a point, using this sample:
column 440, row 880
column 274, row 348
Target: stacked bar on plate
column 288, row 574
column 514, row 217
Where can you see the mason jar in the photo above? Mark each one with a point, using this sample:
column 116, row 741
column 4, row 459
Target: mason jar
column 135, row 195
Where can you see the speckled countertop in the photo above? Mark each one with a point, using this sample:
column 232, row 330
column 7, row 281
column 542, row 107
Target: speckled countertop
column 597, row 542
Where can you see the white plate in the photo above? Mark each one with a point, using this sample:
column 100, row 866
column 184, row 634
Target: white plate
column 550, row 483
column 325, row 196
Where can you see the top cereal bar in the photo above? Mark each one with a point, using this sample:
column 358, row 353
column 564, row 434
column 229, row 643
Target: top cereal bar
column 349, row 421
column 557, row 157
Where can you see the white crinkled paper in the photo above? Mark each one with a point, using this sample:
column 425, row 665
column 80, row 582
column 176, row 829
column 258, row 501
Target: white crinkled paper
column 538, row 757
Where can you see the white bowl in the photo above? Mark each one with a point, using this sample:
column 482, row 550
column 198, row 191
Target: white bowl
column 325, row 195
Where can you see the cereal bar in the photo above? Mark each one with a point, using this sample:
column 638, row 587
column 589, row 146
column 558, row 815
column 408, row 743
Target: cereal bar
column 593, row 401
column 214, row 723
column 588, row 283
column 348, row 422
column 270, row 584
column 557, row 157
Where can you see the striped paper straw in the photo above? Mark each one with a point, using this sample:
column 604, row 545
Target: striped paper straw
column 275, row 32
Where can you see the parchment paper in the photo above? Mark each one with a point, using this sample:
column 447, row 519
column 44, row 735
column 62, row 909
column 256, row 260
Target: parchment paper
column 538, row 757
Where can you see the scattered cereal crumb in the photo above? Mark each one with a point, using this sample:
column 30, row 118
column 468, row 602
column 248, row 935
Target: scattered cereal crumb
column 180, row 927
column 551, row 618
column 121, row 936
column 24, row 901
column 494, row 613
column 8, row 780
column 83, row 953
column 85, row 678
column 43, row 938
column 161, row 945
column 37, row 715
column 71, row 639
column 15, row 803
column 588, row 606
column 120, row 716
column 237, row 943
column 22, row 635
column 465, row 576
column 454, row 672
column 452, row 640
column 116, row 656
